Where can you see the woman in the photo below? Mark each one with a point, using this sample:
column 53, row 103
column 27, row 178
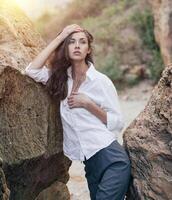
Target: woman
column 89, row 109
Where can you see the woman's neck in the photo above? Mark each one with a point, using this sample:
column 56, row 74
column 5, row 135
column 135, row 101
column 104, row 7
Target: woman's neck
column 79, row 69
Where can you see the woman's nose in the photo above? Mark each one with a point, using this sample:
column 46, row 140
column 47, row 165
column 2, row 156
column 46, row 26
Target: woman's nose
column 77, row 44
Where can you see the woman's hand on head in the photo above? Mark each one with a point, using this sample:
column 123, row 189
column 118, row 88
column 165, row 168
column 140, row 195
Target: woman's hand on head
column 68, row 30
column 77, row 100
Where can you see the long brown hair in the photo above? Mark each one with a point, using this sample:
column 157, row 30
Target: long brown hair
column 60, row 62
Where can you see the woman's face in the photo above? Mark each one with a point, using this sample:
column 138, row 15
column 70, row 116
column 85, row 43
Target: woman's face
column 78, row 47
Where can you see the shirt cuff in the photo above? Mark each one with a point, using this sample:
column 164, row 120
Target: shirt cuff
column 114, row 122
column 38, row 74
column 28, row 68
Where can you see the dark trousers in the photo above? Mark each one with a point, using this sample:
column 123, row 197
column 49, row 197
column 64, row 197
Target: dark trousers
column 108, row 173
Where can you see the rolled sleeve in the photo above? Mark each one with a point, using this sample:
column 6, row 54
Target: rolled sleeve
column 38, row 74
column 114, row 122
column 110, row 103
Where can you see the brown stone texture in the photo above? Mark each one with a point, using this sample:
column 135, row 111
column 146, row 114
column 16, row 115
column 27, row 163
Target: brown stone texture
column 56, row 191
column 4, row 191
column 148, row 141
column 162, row 10
column 30, row 126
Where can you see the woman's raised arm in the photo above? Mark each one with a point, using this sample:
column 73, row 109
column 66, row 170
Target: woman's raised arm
column 41, row 58
column 37, row 69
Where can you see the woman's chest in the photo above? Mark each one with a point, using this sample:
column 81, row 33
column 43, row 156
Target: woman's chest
column 91, row 89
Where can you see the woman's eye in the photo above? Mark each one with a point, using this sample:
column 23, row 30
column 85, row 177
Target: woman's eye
column 83, row 42
column 71, row 41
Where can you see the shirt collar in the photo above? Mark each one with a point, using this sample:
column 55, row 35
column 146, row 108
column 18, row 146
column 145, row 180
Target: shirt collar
column 90, row 73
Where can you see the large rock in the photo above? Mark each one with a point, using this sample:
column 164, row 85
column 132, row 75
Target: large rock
column 162, row 11
column 4, row 191
column 149, row 143
column 30, row 126
column 56, row 191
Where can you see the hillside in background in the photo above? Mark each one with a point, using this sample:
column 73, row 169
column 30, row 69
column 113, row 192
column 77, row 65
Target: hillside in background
column 124, row 47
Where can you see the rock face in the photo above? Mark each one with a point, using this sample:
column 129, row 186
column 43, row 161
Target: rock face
column 162, row 11
column 56, row 191
column 4, row 191
column 149, row 143
column 30, row 126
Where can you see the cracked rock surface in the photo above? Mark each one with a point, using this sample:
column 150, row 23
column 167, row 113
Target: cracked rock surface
column 148, row 139
column 30, row 126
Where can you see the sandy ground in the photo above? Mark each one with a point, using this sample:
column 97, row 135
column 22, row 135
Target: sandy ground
column 132, row 102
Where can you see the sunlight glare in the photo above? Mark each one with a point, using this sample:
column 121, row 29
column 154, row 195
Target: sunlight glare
column 21, row 2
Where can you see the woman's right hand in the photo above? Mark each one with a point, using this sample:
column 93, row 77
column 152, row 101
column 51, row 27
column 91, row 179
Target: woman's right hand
column 68, row 30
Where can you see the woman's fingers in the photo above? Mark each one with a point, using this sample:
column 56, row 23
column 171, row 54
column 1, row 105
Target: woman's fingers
column 71, row 103
column 74, row 93
column 69, row 29
column 74, row 28
column 70, row 99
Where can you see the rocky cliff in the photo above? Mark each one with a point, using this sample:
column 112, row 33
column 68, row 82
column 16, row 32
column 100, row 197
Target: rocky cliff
column 149, row 143
column 4, row 191
column 149, row 138
column 30, row 126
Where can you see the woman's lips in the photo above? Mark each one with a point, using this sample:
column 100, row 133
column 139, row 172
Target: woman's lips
column 77, row 52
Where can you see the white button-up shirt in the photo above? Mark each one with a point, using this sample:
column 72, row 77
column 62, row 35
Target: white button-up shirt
column 83, row 133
